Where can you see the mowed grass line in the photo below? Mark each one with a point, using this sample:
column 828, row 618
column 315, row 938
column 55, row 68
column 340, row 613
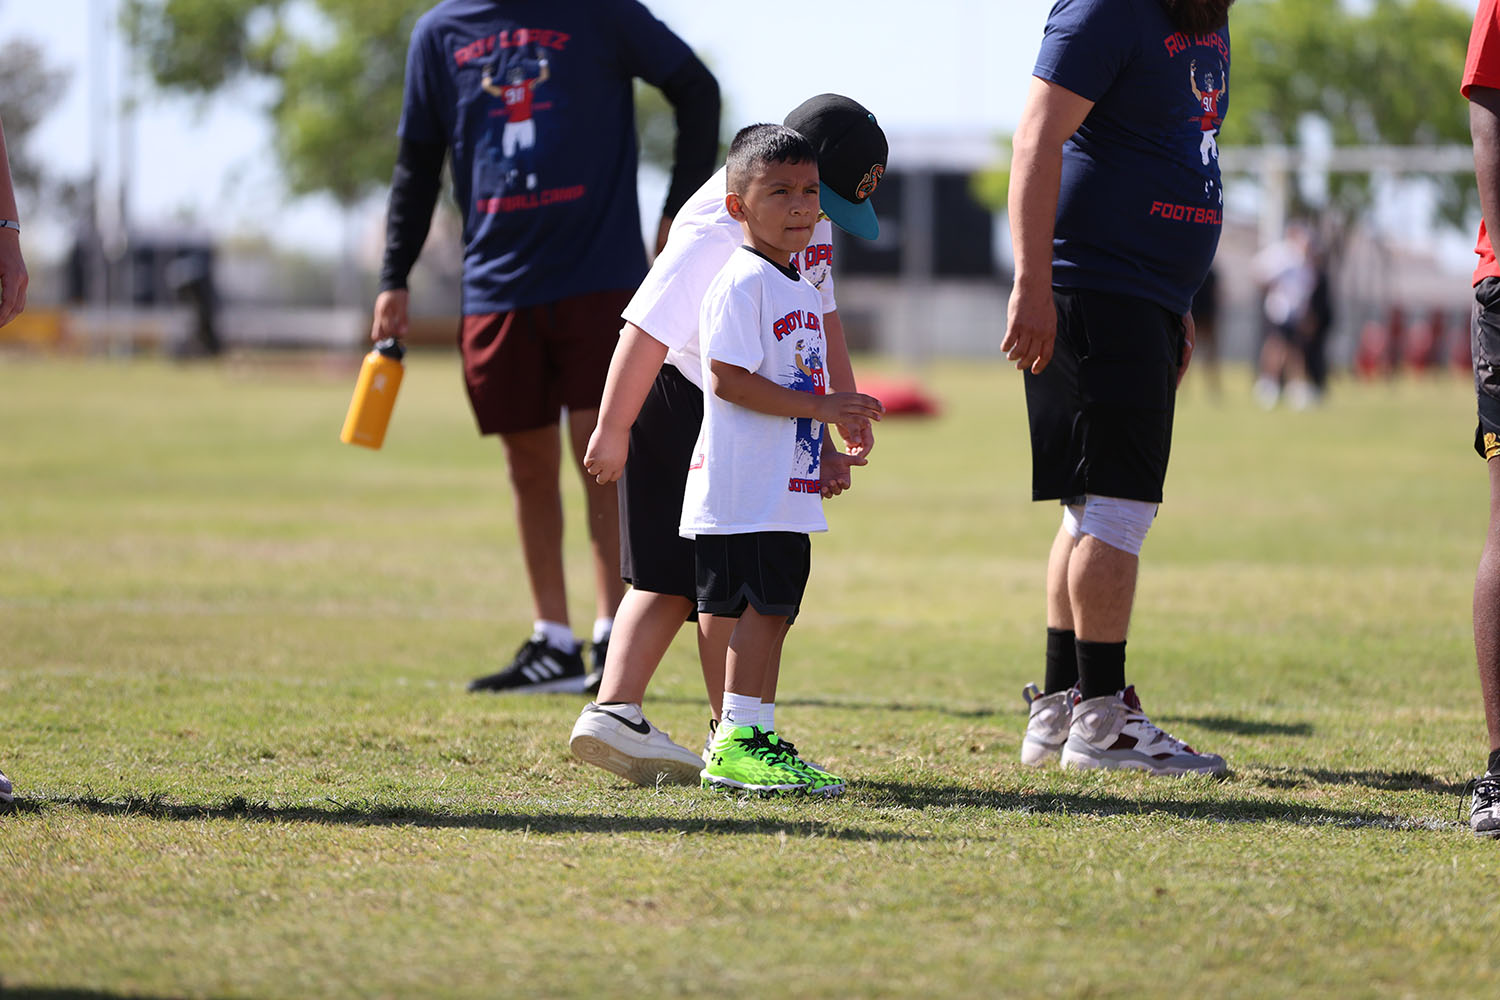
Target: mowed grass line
column 232, row 652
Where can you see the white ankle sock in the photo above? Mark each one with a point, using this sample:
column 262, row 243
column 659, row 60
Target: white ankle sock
column 768, row 715
column 602, row 628
column 557, row 634
column 740, row 710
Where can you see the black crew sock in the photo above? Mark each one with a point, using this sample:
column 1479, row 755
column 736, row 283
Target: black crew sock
column 1062, row 661
column 1494, row 767
column 1101, row 667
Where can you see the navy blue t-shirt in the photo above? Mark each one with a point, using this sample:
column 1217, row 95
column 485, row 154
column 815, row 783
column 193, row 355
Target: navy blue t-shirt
column 534, row 99
column 1141, row 205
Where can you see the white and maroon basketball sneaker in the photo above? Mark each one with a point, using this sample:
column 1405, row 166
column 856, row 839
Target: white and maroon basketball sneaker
column 1113, row 731
column 1047, row 727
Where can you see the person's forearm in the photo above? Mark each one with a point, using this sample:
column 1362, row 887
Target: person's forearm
column 840, row 367
column 1484, row 127
column 694, row 95
column 1035, row 179
column 8, row 208
column 637, row 359
column 414, row 192
column 742, row 387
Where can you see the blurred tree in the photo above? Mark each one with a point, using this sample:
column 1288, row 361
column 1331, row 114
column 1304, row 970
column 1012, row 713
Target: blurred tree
column 336, row 69
column 1379, row 73
column 991, row 186
column 29, row 89
column 335, row 66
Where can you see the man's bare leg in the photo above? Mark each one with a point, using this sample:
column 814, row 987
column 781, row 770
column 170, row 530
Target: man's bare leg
column 1101, row 590
column 1487, row 613
column 534, row 459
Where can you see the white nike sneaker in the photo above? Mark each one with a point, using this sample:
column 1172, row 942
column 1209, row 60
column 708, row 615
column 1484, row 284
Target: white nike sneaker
column 618, row 738
column 1047, row 728
column 1113, row 731
column 708, row 741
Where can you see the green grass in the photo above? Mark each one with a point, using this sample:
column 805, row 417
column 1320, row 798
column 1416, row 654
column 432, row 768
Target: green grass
column 232, row 656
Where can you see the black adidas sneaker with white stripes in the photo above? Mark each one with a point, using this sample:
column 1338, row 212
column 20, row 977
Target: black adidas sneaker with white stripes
column 538, row 668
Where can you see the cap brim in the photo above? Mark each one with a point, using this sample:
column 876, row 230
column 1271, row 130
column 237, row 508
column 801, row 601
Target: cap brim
column 855, row 219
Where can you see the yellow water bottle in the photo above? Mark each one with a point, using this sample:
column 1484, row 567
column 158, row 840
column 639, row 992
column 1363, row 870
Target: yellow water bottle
column 374, row 395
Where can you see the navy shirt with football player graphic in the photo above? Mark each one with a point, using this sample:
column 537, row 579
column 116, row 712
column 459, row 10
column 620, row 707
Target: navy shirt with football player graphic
column 1140, row 206
column 535, row 100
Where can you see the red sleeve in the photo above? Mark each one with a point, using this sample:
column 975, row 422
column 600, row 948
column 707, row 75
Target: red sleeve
column 1482, row 66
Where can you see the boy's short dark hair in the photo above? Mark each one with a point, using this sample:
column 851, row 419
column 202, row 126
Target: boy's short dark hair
column 754, row 146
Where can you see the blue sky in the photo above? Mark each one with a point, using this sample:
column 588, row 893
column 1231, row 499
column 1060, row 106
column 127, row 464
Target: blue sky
column 942, row 65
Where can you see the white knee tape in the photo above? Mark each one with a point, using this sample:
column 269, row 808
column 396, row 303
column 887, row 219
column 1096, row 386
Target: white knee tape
column 1073, row 519
column 1121, row 524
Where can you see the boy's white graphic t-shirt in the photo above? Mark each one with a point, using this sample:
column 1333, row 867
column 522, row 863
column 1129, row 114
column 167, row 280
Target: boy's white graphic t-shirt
column 702, row 239
column 752, row 471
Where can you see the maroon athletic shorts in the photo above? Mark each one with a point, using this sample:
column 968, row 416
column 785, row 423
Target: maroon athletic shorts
column 523, row 366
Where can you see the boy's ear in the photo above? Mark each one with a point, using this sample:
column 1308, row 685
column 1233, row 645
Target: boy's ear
column 735, row 206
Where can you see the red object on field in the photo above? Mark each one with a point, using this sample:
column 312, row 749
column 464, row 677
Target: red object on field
column 901, row 397
column 1372, row 356
column 1425, row 345
column 1461, row 355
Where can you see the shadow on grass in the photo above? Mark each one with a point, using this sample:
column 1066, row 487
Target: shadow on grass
column 337, row 814
column 1243, row 727
column 10, row 992
column 855, row 705
column 1242, row 810
column 1389, row 781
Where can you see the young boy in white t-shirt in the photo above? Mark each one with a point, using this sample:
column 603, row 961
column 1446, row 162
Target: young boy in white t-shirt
column 753, row 489
column 653, row 408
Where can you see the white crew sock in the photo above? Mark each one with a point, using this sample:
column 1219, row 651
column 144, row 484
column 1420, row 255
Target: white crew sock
column 768, row 716
column 602, row 628
column 740, row 710
column 557, row 635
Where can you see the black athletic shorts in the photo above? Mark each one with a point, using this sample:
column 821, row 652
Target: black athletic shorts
column 1484, row 341
column 766, row 570
column 1101, row 411
column 653, row 556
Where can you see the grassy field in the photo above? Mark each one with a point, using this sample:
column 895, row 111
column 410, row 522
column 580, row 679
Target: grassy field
column 232, row 656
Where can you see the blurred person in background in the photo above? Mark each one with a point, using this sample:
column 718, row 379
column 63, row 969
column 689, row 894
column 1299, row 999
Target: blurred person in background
column 552, row 252
column 1288, row 277
column 13, row 280
column 1318, row 322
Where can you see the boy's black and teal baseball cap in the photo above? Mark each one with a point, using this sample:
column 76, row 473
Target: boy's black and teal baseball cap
column 851, row 158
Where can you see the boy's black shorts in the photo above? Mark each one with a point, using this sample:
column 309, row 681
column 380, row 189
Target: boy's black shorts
column 1484, row 341
column 653, row 556
column 765, row 570
column 1101, row 411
